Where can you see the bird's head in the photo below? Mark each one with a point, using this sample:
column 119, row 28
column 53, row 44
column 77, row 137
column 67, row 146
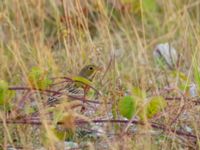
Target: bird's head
column 89, row 71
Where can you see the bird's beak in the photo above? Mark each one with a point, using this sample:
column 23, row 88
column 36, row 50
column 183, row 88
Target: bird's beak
column 96, row 70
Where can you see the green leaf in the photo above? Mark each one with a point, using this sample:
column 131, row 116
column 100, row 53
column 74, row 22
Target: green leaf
column 38, row 78
column 44, row 83
column 137, row 92
column 5, row 94
column 149, row 5
column 156, row 104
column 3, row 91
column 127, row 107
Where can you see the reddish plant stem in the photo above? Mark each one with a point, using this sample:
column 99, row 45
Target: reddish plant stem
column 23, row 99
column 34, row 89
column 21, row 102
column 178, row 115
column 56, row 93
column 153, row 125
column 194, row 100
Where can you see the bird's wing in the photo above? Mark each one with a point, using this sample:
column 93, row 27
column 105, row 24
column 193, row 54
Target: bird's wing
column 71, row 89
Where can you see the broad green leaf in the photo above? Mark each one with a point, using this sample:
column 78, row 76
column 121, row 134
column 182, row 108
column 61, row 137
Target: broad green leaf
column 36, row 73
column 5, row 94
column 44, row 83
column 156, row 104
column 82, row 80
column 35, row 76
column 3, row 91
column 127, row 106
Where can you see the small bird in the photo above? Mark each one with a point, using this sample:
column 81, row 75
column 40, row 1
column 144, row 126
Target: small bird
column 77, row 88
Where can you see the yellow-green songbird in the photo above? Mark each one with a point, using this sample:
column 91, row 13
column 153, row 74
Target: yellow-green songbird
column 88, row 72
column 77, row 88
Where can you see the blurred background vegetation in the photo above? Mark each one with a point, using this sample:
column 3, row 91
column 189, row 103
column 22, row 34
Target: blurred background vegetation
column 61, row 36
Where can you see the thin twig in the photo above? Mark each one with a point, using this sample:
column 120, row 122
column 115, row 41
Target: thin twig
column 178, row 115
column 30, row 89
column 153, row 125
column 56, row 93
column 108, row 67
column 195, row 100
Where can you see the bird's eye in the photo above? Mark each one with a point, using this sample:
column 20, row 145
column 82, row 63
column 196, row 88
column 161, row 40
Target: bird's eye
column 91, row 68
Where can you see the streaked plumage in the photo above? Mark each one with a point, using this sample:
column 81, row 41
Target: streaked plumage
column 76, row 89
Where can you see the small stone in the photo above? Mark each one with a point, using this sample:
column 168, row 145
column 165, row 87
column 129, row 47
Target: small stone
column 165, row 54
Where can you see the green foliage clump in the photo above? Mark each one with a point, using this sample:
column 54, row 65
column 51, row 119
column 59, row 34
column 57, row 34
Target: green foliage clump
column 156, row 104
column 5, row 94
column 137, row 92
column 127, row 106
column 38, row 78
